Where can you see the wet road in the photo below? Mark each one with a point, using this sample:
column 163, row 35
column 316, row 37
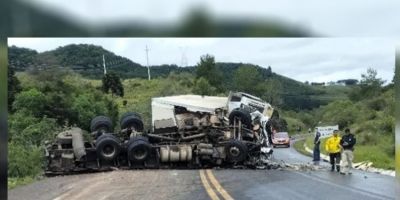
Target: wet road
column 215, row 184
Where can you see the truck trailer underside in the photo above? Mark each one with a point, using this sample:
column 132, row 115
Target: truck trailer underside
column 182, row 136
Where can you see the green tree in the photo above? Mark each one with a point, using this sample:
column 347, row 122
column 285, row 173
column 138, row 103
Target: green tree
column 13, row 87
column 341, row 112
column 18, row 121
column 112, row 81
column 84, row 108
column 272, row 92
column 247, row 79
column 207, row 69
column 369, row 86
column 31, row 101
column 202, row 87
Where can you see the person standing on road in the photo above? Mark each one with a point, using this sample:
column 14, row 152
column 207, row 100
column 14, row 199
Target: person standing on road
column 347, row 143
column 317, row 142
column 332, row 146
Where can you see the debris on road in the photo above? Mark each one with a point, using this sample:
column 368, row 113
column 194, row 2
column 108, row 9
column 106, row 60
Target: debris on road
column 363, row 165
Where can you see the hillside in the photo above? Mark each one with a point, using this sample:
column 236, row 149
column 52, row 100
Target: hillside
column 84, row 59
column 87, row 60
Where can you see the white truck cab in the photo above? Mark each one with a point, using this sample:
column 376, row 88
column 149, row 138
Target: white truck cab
column 247, row 101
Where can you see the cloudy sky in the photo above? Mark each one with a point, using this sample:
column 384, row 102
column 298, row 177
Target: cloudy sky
column 303, row 59
column 326, row 18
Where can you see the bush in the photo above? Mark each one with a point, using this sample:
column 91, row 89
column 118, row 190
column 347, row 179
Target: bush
column 176, row 84
column 84, row 108
column 24, row 161
column 202, row 87
column 32, row 101
column 344, row 113
column 18, row 121
column 368, row 138
column 376, row 104
column 294, row 124
column 14, row 182
column 36, row 134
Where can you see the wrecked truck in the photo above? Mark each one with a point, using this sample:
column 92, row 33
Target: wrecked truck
column 187, row 131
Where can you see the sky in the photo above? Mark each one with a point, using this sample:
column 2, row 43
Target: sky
column 302, row 59
column 324, row 18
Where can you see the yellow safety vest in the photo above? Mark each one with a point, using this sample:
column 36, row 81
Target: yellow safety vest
column 332, row 145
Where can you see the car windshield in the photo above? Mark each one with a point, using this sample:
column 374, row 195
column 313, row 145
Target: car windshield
column 281, row 134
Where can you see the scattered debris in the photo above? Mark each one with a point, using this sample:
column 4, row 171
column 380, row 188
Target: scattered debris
column 364, row 165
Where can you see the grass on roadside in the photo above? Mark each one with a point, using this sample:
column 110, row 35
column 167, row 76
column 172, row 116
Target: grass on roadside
column 375, row 154
column 14, row 182
column 299, row 146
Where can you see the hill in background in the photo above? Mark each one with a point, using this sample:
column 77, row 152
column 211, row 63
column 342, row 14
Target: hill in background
column 87, row 60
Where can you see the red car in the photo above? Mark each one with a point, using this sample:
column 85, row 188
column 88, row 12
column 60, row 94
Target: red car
column 281, row 138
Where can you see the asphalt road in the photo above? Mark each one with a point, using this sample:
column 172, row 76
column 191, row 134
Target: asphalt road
column 215, row 184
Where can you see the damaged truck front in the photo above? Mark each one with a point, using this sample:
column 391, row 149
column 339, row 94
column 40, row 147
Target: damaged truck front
column 188, row 131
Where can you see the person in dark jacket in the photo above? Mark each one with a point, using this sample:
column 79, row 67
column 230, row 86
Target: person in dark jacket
column 317, row 142
column 347, row 143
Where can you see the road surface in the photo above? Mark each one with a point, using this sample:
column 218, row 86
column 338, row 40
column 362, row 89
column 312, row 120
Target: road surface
column 215, row 184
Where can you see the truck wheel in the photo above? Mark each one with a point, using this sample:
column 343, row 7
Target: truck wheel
column 236, row 151
column 138, row 150
column 243, row 115
column 101, row 123
column 108, row 147
column 129, row 114
column 132, row 121
column 102, row 136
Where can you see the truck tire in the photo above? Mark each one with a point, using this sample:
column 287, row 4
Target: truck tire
column 102, row 136
column 108, row 147
column 129, row 114
column 132, row 121
column 236, row 151
column 244, row 116
column 101, row 123
column 139, row 149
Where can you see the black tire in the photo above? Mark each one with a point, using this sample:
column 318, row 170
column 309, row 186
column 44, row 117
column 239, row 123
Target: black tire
column 101, row 123
column 103, row 135
column 244, row 116
column 129, row 114
column 132, row 121
column 108, row 147
column 139, row 149
column 236, row 151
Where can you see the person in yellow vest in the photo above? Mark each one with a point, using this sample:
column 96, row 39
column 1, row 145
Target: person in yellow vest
column 332, row 146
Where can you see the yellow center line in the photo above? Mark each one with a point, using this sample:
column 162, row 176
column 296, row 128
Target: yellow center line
column 218, row 186
column 207, row 186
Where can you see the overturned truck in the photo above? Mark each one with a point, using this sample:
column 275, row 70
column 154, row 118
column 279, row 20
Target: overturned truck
column 188, row 131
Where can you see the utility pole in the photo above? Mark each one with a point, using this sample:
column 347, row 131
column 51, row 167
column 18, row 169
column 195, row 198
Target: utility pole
column 104, row 65
column 184, row 61
column 147, row 58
